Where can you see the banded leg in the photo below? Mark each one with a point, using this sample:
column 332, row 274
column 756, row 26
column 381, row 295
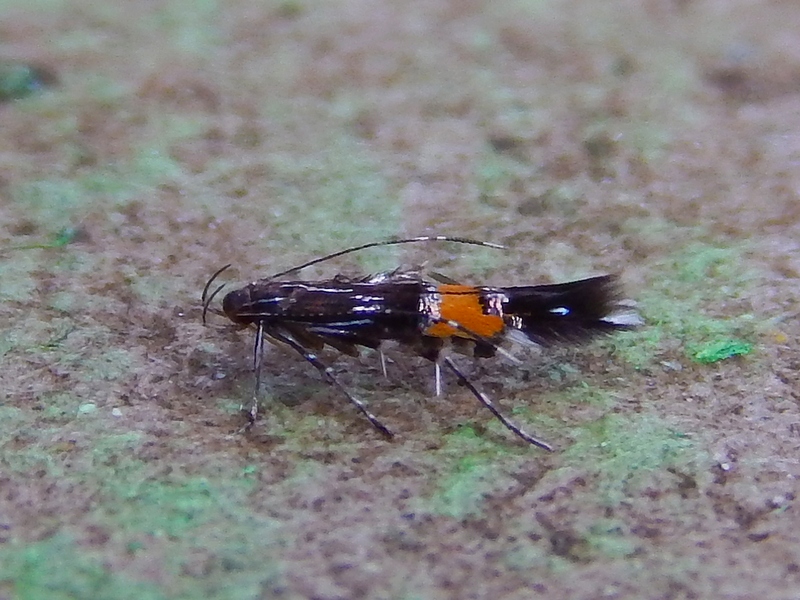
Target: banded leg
column 490, row 405
column 383, row 363
column 486, row 343
column 327, row 374
column 251, row 409
column 435, row 356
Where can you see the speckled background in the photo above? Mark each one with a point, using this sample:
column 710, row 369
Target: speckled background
column 656, row 139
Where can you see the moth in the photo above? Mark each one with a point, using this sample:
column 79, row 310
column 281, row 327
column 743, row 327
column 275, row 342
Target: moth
column 426, row 314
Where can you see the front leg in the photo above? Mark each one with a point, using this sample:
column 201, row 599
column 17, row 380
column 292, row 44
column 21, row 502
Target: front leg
column 251, row 408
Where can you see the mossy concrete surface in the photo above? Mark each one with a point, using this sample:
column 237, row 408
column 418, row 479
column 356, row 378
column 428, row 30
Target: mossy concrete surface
column 654, row 139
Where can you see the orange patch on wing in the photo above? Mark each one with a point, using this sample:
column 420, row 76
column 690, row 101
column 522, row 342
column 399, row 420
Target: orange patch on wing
column 462, row 304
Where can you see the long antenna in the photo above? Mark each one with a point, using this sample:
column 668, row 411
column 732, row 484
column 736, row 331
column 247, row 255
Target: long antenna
column 430, row 238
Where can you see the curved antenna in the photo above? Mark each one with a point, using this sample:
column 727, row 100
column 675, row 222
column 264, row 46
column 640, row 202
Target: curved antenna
column 427, row 238
column 206, row 298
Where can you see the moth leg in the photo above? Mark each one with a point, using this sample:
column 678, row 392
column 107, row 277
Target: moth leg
column 251, row 408
column 490, row 405
column 484, row 347
column 327, row 374
column 383, row 363
column 430, row 348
